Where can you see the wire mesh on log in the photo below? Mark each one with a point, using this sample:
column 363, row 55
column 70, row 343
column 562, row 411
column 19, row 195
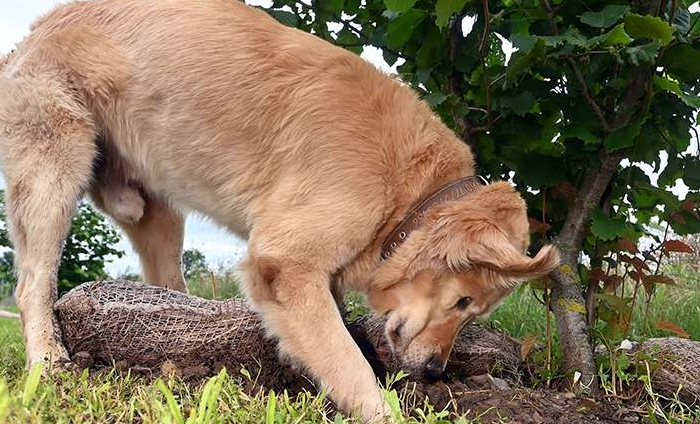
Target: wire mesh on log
column 676, row 368
column 146, row 327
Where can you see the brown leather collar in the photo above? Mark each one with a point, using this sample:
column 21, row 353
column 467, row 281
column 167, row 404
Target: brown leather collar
column 452, row 191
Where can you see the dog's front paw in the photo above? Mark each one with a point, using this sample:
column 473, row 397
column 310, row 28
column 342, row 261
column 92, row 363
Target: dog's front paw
column 52, row 356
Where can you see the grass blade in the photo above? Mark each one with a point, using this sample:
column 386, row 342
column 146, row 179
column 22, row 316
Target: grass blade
column 32, row 383
column 271, row 408
column 173, row 406
column 4, row 400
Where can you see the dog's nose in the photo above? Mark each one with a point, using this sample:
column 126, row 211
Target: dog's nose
column 434, row 369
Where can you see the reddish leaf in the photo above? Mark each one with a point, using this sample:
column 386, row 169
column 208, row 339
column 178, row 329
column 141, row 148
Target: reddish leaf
column 526, row 346
column 688, row 205
column 635, row 276
column 612, row 282
column 597, row 274
column 677, row 246
column 624, row 258
column 639, row 264
column 678, row 219
column 627, row 245
column 538, row 226
column 648, row 288
column 658, row 279
column 564, row 191
column 673, row 328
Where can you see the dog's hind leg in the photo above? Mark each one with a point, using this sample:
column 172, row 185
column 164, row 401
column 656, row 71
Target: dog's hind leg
column 47, row 148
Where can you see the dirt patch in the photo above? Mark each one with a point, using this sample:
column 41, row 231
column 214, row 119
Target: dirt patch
column 521, row 405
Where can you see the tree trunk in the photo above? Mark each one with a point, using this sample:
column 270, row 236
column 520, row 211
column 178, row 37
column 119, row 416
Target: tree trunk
column 568, row 303
column 567, row 298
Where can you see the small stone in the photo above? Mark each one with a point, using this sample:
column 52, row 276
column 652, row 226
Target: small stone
column 479, row 381
column 569, row 395
column 600, row 349
column 499, row 383
column 487, row 382
column 83, row 360
column 170, row 369
column 627, row 345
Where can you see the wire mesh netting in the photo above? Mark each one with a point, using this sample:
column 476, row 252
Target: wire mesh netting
column 147, row 327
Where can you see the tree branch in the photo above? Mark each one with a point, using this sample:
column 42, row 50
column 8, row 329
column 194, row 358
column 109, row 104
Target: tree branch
column 483, row 44
column 579, row 75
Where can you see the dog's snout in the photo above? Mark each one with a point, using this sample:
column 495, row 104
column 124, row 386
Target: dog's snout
column 434, row 369
column 395, row 333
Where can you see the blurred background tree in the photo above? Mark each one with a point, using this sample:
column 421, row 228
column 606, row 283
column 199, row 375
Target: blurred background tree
column 90, row 245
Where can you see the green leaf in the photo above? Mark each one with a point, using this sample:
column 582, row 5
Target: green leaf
column 435, row 98
column 622, row 138
column 606, row 17
column 433, row 48
column 651, row 27
column 522, row 62
column 691, row 174
column 401, row 29
column 444, row 9
column 523, row 42
column 673, row 87
column 399, row 6
column 646, row 53
column 684, row 61
column 580, row 131
column 615, row 37
column 520, row 104
column 284, row 17
column 681, row 20
column 337, row 5
column 607, row 228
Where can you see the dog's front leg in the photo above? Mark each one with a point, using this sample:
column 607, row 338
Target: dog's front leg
column 297, row 306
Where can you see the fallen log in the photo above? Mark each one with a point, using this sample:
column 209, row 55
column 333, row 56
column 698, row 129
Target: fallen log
column 8, row 314
column 159, row 331
column 675, row 367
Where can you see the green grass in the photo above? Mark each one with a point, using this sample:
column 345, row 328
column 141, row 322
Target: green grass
column 115, row 397
column 522, row 314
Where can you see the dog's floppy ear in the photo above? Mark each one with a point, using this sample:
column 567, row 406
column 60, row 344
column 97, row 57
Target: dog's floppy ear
column 491, row 248
column 405, row 263
column 492, row 236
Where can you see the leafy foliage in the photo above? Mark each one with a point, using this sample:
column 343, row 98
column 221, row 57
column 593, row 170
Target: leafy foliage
column 89, row 246
column 585, row 85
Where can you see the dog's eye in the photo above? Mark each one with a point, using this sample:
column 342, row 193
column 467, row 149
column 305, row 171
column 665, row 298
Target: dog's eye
column 463, row 303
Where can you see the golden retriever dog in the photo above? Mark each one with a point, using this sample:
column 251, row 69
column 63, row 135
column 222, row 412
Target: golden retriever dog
column 155, row 108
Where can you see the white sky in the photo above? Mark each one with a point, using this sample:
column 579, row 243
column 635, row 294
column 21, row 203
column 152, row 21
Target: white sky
column 218, row 246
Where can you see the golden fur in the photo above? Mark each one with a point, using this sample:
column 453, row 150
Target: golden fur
column 155, row 108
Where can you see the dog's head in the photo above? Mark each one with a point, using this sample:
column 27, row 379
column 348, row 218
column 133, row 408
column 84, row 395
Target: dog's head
column 457, row 267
